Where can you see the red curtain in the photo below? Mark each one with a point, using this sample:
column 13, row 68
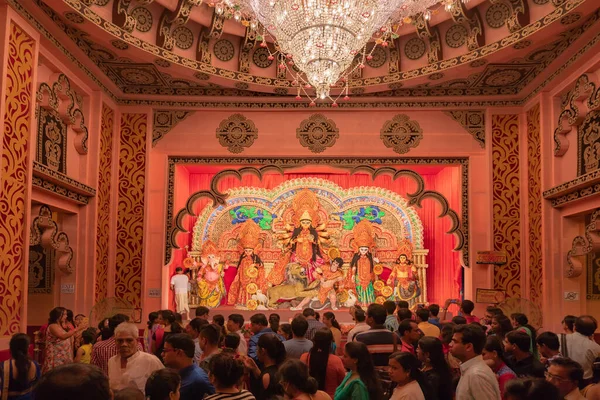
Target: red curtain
column 444, row 266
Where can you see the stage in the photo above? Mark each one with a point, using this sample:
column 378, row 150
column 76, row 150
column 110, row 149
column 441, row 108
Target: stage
column 273, row 241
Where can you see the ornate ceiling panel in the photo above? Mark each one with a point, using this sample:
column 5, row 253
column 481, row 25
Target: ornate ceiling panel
column 464, row 53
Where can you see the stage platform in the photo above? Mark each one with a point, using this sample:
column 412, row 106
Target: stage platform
column 341, row 315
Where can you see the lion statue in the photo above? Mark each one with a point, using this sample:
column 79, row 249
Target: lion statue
column 293, row 288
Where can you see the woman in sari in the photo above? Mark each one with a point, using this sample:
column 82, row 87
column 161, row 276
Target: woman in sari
column 59, row 345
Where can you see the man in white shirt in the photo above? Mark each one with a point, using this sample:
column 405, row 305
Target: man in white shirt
column 361, row 326
column 235, row 323
column 477, row 380
column 130, row 367
column 566, row 375
column 179, row 284
column 581, row 346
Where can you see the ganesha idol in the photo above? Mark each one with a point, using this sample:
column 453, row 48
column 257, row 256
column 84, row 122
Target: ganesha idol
column 211, row 289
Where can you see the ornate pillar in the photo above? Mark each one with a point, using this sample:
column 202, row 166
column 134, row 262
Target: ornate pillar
column 507, row 194
column 19, row 59
column 131, row 206
column 419, row 257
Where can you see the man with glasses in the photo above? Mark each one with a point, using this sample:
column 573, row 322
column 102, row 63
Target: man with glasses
column 130, row 367
column 566, row 375
column 178, row 354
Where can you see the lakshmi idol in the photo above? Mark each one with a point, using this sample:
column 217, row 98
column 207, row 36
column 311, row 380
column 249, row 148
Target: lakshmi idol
column 250, row 275
column 302, row 242
column 404, row 274
column 363, row 262
column 210, row 277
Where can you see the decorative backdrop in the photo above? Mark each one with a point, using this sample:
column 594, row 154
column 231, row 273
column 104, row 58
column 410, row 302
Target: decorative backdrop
column 507, row 202
column 14, row 177
column 534, row 204
column 103, row 199
column 130, row 218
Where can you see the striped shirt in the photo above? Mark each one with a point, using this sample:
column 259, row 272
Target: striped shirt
column 313, row 326
column 243, row 395
column 380, row 342
column 104, row 351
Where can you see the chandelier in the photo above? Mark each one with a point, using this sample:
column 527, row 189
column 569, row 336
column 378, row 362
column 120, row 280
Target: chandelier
column 323, row 38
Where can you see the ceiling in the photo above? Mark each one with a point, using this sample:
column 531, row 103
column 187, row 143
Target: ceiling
column 144, row 51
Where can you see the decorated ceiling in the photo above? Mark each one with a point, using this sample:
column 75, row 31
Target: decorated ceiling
column 160, row 51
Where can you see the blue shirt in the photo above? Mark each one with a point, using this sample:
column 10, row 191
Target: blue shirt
column 435, row 321
column 194, row 383
column 253, row 343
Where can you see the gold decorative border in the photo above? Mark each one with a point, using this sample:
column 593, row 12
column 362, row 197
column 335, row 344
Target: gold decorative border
column 62, row 180
column 507, row 202
column 19, row 97
column 534, row 204
column 59, row 190
column 459, row 224
column 104, row 201
column 581, row 187
column 131, row 202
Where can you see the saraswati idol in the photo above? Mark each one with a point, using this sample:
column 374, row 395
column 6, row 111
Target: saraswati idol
column 250, row 276
column 302, row 242
column 363, row 262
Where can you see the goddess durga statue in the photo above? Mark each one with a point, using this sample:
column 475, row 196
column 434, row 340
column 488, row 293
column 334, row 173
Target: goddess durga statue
column 302, row 242
column 250, row 276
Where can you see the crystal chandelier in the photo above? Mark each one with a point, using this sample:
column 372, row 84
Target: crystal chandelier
column 323, row 37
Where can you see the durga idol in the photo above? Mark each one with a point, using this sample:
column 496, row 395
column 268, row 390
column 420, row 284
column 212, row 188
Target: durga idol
column 250, row 276
column 302, row 242
column 210, row 277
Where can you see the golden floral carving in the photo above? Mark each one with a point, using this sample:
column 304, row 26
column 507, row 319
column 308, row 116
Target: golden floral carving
column 130, row 218
column 589, row 143
column 103, row 199
column 534, row 205
column 401, row 134
column 317, row 133
column 13, row 174
column 506, row 202
column 236, row 133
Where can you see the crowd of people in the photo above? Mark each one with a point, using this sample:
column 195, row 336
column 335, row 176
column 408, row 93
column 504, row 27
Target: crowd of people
column 391, row 352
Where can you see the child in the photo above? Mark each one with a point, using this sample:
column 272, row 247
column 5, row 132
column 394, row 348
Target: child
column 84, row 352
column 231, row 343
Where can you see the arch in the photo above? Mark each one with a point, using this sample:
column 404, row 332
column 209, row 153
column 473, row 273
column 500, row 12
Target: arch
column 45, row 232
